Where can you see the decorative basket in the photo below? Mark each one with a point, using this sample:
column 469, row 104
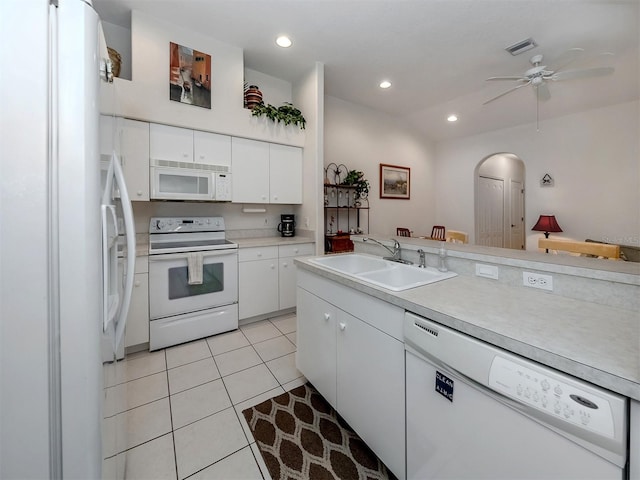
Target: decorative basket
column 116, row 61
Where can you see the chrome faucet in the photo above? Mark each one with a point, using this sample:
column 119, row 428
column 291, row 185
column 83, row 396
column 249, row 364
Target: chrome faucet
column 395, row 252
column 423, row 263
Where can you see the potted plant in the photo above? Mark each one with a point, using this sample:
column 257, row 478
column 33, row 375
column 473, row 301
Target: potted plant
column 356, row 178
column 287, row 114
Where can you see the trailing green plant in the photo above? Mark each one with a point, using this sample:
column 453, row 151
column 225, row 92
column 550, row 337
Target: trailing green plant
column 286, row 113
column 356, row 178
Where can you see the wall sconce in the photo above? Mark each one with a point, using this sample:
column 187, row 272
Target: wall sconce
column 547, row 224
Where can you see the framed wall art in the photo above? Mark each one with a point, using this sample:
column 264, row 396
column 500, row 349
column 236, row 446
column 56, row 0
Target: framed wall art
column 395, row 182
column 189, row 76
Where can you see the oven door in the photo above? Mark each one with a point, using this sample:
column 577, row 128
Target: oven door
column 171, row 294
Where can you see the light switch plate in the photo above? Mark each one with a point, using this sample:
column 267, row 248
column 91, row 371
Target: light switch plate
column 487, row 271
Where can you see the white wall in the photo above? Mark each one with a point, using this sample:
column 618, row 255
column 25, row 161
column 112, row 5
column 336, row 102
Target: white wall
column 593, row 157
column 309, row 96
column 146, row 96
column 362, row 139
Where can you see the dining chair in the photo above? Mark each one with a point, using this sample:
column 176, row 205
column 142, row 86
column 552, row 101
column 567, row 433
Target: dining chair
column 454, row 236
column 437, row 232
column 403, row 232
column 601, row 250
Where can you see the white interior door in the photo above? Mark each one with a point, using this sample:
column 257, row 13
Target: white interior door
column 516, row 212
column 490, row 213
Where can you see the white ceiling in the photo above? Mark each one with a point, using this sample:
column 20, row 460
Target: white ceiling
column 437, row 53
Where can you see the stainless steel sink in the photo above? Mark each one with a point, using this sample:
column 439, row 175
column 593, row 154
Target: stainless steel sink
column 386, row 274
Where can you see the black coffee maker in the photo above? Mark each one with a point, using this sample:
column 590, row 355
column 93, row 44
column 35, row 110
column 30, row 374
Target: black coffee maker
column 287, row 225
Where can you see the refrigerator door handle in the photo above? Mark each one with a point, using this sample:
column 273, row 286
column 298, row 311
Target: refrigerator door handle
column 129, row 230
column 111, row 300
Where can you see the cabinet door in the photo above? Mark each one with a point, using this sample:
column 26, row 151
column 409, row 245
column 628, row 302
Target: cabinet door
column 370, row 385
column 258, row 287
column 285, row 174
column 135, row 157
column 316, row 343
column 137, row 330
column 287, row 271
column 250, row 177
column 211, row 148
column 171, row 143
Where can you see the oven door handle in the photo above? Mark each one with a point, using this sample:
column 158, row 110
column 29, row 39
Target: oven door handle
column 185, row 256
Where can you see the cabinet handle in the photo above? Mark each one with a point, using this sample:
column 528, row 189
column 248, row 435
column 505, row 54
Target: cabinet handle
column 327, row 316
column 137, row 283
column 273, row 266
column 185, row 155
column 139, row 192
column 285, row 265
column 259, row 254
column 275, row 197
column 343, row 326
column 295, row 251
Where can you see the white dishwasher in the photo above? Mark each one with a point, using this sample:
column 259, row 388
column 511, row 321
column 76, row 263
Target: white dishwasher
column 477, row 412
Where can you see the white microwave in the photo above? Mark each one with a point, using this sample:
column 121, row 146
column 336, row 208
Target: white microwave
column 189, row 181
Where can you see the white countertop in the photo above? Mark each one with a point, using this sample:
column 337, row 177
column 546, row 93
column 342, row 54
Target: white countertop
column 270, row 241
column 597, row 343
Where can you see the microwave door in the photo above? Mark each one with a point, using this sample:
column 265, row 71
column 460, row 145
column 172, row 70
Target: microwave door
column 181, row 184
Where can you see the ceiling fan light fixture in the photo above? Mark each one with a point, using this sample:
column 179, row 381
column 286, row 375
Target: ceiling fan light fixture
column 452, row 118
column 522, row 46
column 385, row 84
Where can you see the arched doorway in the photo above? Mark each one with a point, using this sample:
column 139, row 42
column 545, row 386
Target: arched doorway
column 499, row 201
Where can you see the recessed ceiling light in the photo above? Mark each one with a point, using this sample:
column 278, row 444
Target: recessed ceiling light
column 385, row 84
column 283, row 41
column 452, row 118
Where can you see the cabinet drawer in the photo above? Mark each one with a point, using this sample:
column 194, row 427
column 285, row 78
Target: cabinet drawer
column 296, row 250
column 257, row 253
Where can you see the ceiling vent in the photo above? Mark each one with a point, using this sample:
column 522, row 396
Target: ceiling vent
column 522, row 46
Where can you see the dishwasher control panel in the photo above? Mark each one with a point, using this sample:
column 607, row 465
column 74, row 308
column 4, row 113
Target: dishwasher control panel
column 557, row 396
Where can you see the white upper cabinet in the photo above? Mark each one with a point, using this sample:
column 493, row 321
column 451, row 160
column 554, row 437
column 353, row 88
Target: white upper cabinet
column 285, row 174
column 171, row 143
column 250, row 171
column 192, row 146
column 130, row 140
column 211, row 148
column 266, row 172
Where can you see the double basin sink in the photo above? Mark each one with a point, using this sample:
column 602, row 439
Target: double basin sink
column 383, row 273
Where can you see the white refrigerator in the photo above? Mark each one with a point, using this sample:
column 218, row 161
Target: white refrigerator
column 52, row 314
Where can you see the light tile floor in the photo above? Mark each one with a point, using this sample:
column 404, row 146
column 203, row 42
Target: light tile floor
column 177, row 413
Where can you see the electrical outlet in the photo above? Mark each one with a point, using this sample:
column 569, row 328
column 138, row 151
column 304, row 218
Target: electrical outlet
column 537, row 280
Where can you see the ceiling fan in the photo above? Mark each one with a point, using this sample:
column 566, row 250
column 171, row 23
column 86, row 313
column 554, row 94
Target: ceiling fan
column 539, row 75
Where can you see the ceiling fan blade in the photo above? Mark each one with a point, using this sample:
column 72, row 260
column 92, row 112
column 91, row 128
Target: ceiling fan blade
column 567, row 57
column 542, row 92
column 508, row 91
column 518, row 77
column 587, row 72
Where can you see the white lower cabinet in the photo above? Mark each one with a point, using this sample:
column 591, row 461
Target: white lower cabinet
column 137, row 330
column 287, row 271
column 267, row 278
column 257, row 281
column 349, row 346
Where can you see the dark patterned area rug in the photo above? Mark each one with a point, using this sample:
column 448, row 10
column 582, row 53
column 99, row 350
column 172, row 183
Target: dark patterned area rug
column 300, row 436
